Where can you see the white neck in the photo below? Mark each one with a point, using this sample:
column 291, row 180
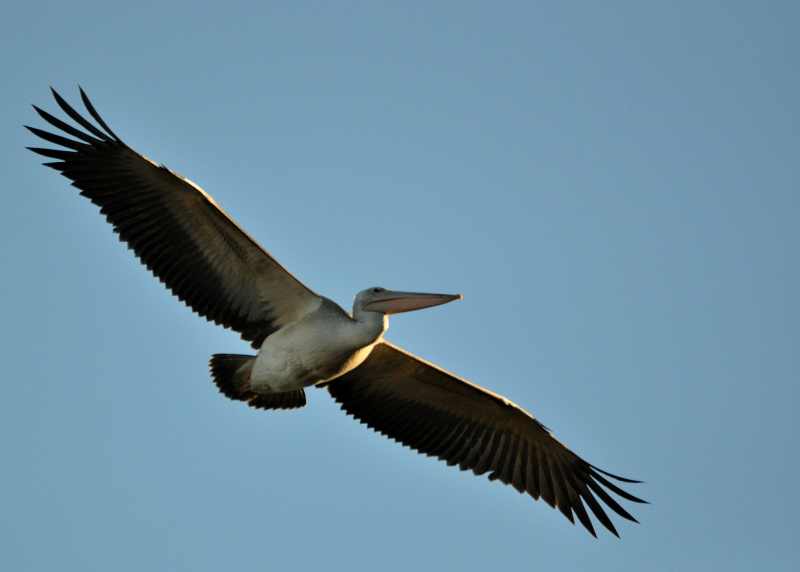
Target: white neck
column 370, row 325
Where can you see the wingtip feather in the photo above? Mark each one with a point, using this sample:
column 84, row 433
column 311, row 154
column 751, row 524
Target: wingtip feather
column 617, row 477
column 87, row 103
column 614, row 488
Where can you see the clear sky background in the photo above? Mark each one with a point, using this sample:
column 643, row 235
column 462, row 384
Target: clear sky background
column 613, row 187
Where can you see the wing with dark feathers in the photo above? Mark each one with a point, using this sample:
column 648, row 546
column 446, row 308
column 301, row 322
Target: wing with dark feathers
column 438, row 414
column 175, row 228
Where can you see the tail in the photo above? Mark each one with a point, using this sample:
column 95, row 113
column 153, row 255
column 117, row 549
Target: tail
column 231, row 374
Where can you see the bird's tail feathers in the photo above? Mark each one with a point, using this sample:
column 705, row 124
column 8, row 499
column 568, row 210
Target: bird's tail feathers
column 231, row 374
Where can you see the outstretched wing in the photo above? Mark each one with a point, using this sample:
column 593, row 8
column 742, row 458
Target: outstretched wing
column 176, row 229
column 436, row 413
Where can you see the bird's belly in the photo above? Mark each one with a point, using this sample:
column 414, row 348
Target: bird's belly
column 284, row 364
column 349, row 362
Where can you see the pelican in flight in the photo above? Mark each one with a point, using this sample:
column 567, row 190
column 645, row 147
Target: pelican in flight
column 303, row 339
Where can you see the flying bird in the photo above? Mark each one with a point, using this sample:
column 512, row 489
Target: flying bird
column 304, row 340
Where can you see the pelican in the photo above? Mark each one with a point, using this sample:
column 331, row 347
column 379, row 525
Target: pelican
column 303, row 339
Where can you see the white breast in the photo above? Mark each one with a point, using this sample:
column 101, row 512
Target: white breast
column 319, row 347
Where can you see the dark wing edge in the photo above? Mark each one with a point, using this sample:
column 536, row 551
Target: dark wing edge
column 175, row 228
column 409, row 400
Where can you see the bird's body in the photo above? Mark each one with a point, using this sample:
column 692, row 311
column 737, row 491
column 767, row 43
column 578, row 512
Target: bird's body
column 189, row 243
column 322, row 345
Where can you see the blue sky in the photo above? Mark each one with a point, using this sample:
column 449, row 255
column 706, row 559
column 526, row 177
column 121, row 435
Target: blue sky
column 613, row 187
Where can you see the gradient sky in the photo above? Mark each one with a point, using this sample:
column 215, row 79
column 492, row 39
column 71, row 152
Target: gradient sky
column 613, row 187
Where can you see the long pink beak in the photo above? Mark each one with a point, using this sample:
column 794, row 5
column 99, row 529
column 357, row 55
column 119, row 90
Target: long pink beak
column 394, row 302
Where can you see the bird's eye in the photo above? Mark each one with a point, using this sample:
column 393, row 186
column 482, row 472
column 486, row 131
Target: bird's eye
column 376, row 290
